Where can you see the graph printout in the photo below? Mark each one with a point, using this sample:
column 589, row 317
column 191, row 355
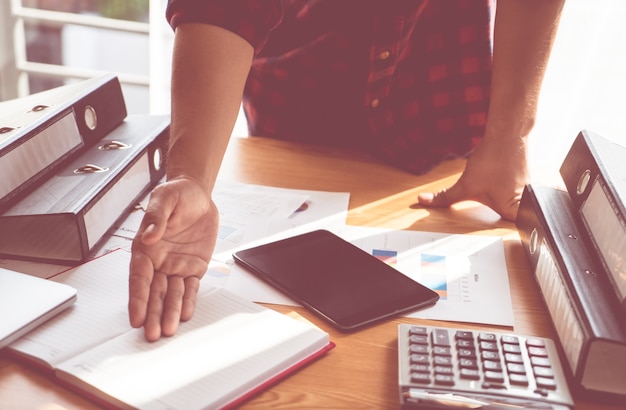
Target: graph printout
column 467, row 271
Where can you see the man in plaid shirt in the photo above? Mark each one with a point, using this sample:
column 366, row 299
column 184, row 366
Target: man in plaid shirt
column 411, row 81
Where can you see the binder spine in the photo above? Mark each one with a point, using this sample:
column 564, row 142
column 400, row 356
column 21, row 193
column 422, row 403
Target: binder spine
column 547, row 265
column 585, row 318
column 39, row 140
column 590, row 172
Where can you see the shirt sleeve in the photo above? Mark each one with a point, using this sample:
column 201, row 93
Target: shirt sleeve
column 250, row 19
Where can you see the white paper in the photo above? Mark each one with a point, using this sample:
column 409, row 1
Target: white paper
column 321, row 210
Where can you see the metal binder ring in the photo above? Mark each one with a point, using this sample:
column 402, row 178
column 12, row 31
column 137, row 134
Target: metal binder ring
column 111, row 145
column 4, row 130
column 583, row 181
column 90, row 169
column 39, row 107
column 157, row 159
column 90, row 117
column 532, row 242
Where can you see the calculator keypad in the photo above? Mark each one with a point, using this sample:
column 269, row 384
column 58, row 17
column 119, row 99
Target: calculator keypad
column 479, row 364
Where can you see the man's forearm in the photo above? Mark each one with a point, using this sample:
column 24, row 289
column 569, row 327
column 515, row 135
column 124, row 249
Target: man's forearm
column 209, row 71
column 524, row 34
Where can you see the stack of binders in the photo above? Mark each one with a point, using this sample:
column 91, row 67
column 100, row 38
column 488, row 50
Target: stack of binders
column 73, row 163
column 575, row 241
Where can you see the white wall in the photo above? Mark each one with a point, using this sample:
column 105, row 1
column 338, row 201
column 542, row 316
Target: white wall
column 585, row 85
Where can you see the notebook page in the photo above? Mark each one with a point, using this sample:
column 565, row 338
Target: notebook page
column 100, row 312
column 229, row 347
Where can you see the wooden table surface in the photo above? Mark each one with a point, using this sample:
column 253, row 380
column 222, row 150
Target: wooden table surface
column 361, row 371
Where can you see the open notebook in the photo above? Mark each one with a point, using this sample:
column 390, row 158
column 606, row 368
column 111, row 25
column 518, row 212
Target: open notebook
column 28, row 301
column 230, row 349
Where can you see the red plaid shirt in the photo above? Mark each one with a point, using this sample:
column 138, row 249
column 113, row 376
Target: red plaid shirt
column 405, row 79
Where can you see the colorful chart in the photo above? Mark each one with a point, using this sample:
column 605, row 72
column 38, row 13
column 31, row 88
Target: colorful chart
column 432, row 269
column 433, row 273
column 389, row 257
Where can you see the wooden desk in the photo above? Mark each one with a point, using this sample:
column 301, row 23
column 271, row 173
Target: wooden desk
column 361, row 372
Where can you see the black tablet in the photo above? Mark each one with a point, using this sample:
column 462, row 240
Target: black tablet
column 337, row 280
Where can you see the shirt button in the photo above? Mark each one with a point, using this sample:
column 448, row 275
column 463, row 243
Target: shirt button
column 374, row 103
column 384, row 55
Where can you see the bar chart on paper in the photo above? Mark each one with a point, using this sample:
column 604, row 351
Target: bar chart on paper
column 430, row 271
column 467, row 271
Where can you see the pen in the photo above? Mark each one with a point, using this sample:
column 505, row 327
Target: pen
column 447, row 399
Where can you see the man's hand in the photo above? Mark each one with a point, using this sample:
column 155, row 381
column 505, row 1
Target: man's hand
column 495, row 175
column 170, row 254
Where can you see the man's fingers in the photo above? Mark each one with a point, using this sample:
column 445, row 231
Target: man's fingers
column 139, row 283
column 172, row 305
column 448, row 197
column 156, row 302
column 439, row 199
column 192, row 285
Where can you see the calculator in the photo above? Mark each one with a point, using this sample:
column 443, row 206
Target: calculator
column 447, row 368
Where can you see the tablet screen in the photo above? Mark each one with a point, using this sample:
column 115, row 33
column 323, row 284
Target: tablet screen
column 337, row 280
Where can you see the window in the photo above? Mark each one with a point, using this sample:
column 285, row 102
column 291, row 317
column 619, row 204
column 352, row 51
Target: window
column 58, row 41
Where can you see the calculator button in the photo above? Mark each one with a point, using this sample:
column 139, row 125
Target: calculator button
column 537, row 351
column 420, row 368
column 488, row 355
column 420, row 378
column 509, row 339
column 464, row 343
column 441, row 337
column 442, row 351
column 518, row 379
column 491, row 346
column 418, row 330
column 444, row 379
column 418, row 348
column 468, row 363
column 535, row 343
column 466, row 353
column 491, row 365
column 442, row 361
column 516, row 368
column 546, row 383
column 540, row 361
column 464, row 335
column 492, row 376
column 509, row 348
column 513, row 358
column 418, row 339
column 486, row 337
column 470, row 374
column 420, row 358
column 543, row 372
column 444, row 370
